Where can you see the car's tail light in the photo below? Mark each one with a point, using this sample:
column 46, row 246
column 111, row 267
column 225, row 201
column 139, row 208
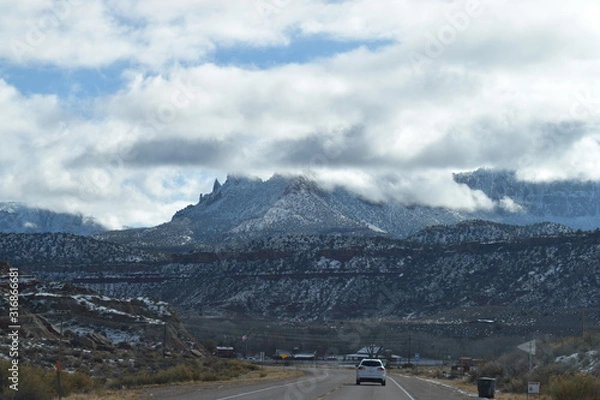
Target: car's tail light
column 361, row 368
column 380, row 369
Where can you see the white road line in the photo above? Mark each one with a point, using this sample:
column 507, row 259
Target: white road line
column 325, row 375
column 401, row 388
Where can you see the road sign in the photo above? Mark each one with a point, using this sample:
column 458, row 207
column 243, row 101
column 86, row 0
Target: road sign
column 533, row 388
column 528, row 347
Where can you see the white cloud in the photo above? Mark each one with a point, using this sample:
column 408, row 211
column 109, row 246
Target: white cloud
column 458, row 85
column 434, row 188
column 508, row 204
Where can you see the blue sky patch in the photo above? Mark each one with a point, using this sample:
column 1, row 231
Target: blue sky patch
column 88, row 83
column 300, row 51
column 80, row 82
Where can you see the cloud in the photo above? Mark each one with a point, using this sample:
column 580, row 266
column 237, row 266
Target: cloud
column 385, row 97
column 165, row 152
column 337, row 148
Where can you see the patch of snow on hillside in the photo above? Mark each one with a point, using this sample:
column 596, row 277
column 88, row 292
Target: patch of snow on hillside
column 159, row 307
column 115, row 335
column 375, row 228
column 585, row 362
column 84, row 301
column 328, row 263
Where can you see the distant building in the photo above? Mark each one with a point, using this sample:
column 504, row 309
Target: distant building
column 225, row 352
column 373, row 351
column 283, row 355
column 305, row 356
column 465, row 364
column 288, row 355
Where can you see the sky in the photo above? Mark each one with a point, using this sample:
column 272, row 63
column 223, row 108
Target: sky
column 127, row 110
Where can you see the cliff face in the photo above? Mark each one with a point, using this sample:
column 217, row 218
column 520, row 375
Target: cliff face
column 573, row 203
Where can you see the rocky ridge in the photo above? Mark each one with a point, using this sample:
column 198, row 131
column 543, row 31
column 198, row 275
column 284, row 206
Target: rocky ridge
column 572, row 203
column 547, row 269
column 99, row 334
column 243, row 209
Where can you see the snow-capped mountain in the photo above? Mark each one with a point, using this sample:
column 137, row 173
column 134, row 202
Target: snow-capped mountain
column 243, row 209
column 20, row 218
column 282, row 205
column 572, row 203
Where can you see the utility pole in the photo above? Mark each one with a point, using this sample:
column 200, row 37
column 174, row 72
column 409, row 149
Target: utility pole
column 531, row 351
column 409, row 350
column 58, row 366
column 164, row 342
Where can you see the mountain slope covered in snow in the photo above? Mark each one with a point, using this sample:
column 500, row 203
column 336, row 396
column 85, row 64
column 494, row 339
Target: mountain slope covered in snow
column 243, row 209
column 20, row 218
column 569, row 202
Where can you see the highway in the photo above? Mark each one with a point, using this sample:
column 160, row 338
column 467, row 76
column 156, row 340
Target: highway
column 317, row 384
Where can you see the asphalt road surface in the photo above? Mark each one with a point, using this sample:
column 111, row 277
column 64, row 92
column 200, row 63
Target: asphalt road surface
column 317, row 384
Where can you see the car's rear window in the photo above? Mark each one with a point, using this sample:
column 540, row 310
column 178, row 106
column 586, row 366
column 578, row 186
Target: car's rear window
column 371, row 363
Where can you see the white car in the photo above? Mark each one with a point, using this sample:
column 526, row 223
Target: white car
column 370, row 370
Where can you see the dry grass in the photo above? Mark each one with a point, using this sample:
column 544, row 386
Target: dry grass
column 435, row 373
column 112, row 395
column 252, row 376
column 472, row 388
column 270, row 374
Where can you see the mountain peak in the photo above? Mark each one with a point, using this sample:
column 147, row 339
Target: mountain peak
column 245, row 208
column 301, row 183
column 216, row 186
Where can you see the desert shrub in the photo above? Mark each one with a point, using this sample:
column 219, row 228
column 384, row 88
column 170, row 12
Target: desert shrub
column 213, row 369
column 178, row 373
column 572, row 345
column 575, row 387
column 32, row 385
column 210, row 377
column 77, row 382
column 513, row 384
column 210, row 345
column 492, row 369
column 36, row 383
column 140, row 378
column 545, row 373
